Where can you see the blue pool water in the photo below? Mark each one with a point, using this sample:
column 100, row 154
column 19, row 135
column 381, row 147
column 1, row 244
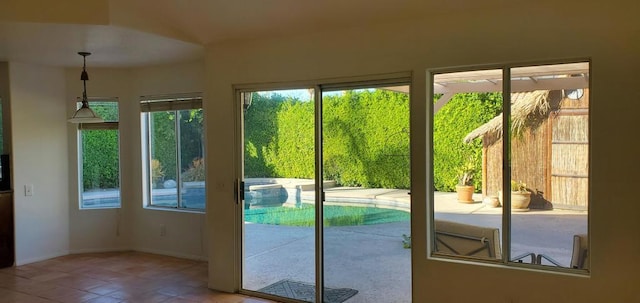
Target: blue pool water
column 333, row 215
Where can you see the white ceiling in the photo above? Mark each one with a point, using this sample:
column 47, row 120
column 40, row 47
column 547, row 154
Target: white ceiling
column 143, row 32
column 112, row 46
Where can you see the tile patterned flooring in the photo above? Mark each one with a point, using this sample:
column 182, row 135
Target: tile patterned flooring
column 112, row 278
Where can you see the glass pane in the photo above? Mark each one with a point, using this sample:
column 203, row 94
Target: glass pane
column 163, row 162
column 550, row 164
column 279, row 205
column 366, row 212
column 191, row 159
column 100, row 167
column 108, row 110
column 467, row 164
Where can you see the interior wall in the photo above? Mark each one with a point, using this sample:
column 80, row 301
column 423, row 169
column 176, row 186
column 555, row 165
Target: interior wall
column 533, row 32
column 133, row 226
column 185, row 231
column 39, row 158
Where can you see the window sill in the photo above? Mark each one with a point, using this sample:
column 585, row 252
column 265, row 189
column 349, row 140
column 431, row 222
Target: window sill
column 100, row 208
column 178, row 210
column 580, row 273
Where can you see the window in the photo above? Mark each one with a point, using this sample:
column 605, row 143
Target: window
column 527, row 185
column 99, row 158
column 173, row 152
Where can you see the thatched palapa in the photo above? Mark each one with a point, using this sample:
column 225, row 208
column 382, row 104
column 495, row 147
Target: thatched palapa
column 549, row 148
column 527, row 108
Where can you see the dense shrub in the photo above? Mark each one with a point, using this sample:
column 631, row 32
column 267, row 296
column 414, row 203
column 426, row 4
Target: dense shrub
column 365, row 138
column 100, row 148
column 260, row 128
column 191, row 138
column 462, row 114
column 195, row 172
column 163, row 146
column 290, row 153
column 157, row 173
column 100, row 159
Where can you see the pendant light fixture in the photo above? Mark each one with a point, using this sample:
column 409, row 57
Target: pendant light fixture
column 85, row 114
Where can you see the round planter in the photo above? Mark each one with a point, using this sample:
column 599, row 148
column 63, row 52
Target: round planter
column 519, row 200
column 491, row 201
column 465, row 193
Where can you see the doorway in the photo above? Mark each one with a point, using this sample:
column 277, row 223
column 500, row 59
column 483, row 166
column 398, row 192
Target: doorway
column 325, row 193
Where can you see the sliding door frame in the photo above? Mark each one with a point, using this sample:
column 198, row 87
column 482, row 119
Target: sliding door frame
column 319, row 86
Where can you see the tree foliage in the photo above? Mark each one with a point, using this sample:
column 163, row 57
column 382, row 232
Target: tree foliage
column 100, row 159
column 365, row 138
column 165, row 132
column 100, row 153
column 462, row 114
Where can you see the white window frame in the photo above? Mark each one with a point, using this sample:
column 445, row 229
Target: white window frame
column 107, row 125
column 506, row 171
column 163, row 103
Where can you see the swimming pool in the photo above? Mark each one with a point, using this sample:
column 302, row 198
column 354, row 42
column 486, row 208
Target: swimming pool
column 334, row 215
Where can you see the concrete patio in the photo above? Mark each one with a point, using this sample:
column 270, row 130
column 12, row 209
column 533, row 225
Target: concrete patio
column 371, row 259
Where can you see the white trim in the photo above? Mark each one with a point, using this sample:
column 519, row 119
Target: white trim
column 20, row 262
column 98, row 250
column 172, row 254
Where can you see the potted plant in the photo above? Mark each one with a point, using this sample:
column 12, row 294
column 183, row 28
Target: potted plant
column 465, row 187
column 520, row 196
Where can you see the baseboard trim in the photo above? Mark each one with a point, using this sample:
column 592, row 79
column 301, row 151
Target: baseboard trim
column 171, row 254
column 98, row 250
column 19, row 261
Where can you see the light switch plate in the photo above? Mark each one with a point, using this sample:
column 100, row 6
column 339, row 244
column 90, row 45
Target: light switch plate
column 28, row 190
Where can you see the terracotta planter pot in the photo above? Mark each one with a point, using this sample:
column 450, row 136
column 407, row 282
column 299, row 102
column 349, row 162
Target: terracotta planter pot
column 465, row 193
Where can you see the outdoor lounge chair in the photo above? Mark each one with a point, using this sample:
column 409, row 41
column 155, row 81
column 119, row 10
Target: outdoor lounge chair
column 467, row 240
column 580, row 255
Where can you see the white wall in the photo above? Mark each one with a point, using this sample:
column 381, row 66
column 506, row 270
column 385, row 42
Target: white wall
column 185, row 235
column 532, row 32
column 39, row 153
column 132, row 226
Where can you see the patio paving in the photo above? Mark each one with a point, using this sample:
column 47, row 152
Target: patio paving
column 371, row 259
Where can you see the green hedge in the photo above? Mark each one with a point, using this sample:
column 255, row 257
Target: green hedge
column 462, row 114
column 260, row 128
column 100, row 152
column 100, row 159
column 163, row 145
column 100, row 148
column 365, row 138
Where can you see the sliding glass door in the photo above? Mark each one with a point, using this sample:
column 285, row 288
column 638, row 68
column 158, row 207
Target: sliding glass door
column 366, row 207
column 325, row 193
column 279, row 205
